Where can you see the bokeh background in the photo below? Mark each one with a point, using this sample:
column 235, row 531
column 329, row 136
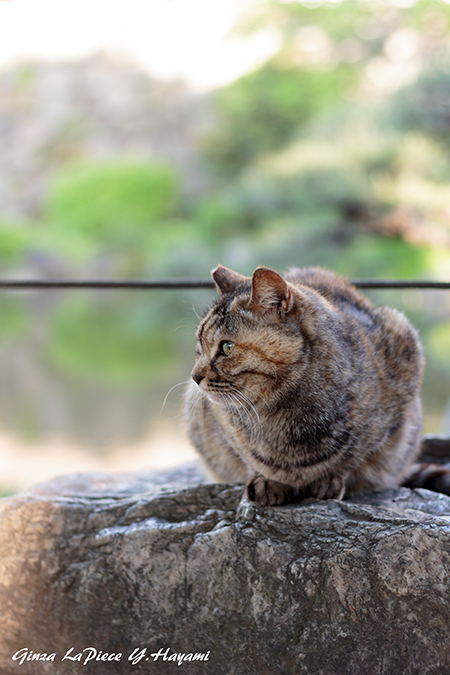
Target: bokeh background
column 156, row 139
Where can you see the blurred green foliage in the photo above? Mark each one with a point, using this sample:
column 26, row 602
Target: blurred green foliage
column 112, row 205
column 425, row 105
column 439, row 341
column 15, row 319
column 334, row 152
column 262, row 111
column 115, row 342
column 15, row 239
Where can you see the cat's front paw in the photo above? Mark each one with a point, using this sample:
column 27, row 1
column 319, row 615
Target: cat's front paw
column 328, row 488
column 268, row 492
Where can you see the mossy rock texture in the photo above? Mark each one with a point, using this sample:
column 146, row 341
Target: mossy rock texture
column 164, row 563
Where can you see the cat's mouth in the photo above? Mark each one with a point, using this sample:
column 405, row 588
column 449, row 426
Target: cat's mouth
column 217, row 391
column 226, row 394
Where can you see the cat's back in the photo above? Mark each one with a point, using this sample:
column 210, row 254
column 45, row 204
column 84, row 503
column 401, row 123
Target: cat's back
column 337, row 290
column 376, row 330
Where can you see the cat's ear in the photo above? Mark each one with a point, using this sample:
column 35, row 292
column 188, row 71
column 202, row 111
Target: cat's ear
column 271, row 295
column 226, row 280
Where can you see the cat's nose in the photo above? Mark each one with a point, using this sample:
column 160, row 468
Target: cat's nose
column 197, row 377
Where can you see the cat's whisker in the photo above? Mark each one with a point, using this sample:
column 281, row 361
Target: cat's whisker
column 189, row 408
column 179, row 384
column 255, row 393
column 252, row 421
column 193, row 309
column 246, row 400
column 232, row 409
column 255, row 422
column 230, row 404
column 185, row 323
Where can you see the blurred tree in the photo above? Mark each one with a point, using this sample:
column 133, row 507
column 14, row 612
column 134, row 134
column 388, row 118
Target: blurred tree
column 113, row 205
column 328, row 52
column 15, row 241
column 424, row 106
column 260, row 112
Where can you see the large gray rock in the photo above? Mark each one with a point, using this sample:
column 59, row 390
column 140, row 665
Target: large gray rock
column 141, row 562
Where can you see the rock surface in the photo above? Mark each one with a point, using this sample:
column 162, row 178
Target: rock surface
column 127, row 563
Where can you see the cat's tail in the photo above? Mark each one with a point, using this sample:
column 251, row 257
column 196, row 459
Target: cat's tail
column 429, row 476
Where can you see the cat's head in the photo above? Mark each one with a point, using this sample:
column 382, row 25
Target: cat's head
column 250, row 341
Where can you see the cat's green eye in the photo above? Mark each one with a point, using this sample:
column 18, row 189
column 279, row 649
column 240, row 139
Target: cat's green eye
column 227, row 347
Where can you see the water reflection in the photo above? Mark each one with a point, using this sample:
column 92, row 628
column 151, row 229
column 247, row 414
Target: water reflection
column 83, row 380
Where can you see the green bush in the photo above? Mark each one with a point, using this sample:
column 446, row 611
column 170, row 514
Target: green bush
column 113, row 204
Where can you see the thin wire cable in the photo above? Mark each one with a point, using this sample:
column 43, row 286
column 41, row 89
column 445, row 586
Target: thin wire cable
column 113, row 284
column 179, row 284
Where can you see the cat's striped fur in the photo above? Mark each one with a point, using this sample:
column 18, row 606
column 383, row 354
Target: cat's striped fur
column 301, row 387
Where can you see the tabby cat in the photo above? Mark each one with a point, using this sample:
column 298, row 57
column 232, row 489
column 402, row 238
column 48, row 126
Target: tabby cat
column 302, row 388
